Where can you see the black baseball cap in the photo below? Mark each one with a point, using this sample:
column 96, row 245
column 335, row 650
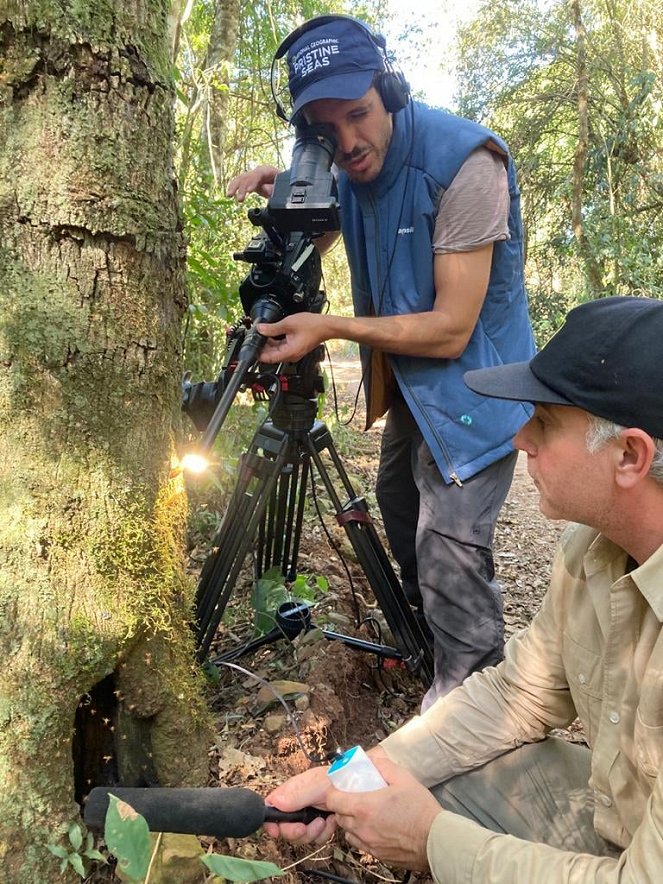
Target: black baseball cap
column 337, row 59
column 607, row 359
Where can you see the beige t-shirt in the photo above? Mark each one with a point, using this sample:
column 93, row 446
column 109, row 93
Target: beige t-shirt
column 474, row 210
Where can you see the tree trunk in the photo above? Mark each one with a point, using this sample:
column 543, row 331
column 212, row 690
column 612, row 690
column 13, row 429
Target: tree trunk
column 221, row 50
column 592, row 270
column 97, row 681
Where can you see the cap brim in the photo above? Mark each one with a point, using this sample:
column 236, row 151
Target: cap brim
column 512, row 381
column 348, row 86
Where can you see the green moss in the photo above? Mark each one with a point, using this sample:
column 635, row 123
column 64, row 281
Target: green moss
column 139, row 552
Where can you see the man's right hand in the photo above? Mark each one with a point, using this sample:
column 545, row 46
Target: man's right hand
column 305, row 789
column 259, row 180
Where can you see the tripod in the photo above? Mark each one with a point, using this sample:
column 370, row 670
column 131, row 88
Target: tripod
column 267, row 509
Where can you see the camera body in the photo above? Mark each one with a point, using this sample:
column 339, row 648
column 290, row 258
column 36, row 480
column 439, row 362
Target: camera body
column 286, row 268
column 305, row 197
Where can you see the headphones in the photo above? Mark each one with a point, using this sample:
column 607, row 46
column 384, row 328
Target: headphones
column 392, row 87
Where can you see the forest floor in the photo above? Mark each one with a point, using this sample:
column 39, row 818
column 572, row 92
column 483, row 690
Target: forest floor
column 337, row 697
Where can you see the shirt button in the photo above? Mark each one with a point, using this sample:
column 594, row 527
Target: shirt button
column 606, row 800
column 615, row 717
column 581, row 678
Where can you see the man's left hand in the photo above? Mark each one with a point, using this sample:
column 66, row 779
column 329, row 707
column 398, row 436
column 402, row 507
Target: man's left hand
column 391, row 824
column 302, row 333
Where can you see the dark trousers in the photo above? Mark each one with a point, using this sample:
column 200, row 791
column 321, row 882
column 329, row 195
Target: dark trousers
column 441, row 536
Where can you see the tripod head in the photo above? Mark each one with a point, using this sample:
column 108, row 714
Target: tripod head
column 285, row 273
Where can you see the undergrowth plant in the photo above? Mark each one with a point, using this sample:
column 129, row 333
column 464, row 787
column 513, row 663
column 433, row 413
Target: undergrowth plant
column 129, row 840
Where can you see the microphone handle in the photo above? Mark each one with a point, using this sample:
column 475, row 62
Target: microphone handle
column 305, row 815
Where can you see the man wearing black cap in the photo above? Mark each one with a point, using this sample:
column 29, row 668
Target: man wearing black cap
column 433, row 235
column 519, row 806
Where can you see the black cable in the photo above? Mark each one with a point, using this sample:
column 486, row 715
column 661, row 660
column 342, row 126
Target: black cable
column 326, row 876
column 336, row 547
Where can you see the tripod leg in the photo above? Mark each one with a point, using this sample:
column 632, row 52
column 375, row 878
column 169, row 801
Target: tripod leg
column 257, row 479
column 355, row 519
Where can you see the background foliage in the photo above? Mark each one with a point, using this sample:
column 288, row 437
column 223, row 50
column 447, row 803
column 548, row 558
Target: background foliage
column 574, row 86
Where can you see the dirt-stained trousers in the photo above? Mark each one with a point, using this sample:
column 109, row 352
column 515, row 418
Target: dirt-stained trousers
column 441, row 537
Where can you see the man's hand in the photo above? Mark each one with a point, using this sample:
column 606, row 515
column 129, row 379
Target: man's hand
column 391, row 824
column 259, row 180
column 302, row 333
column 306, row 789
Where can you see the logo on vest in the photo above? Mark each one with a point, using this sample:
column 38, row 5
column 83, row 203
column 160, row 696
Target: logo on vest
column 403, row 231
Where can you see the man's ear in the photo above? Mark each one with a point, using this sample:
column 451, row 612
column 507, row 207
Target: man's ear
column 636, row 452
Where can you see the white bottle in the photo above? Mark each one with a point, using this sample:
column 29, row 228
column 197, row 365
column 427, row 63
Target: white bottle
column 355, row 772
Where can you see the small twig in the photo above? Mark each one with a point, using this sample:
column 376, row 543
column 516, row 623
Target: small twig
column 309, row 856
column 157, row 844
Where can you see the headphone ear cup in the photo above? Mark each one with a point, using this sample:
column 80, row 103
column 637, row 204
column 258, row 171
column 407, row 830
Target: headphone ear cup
column 394, row 91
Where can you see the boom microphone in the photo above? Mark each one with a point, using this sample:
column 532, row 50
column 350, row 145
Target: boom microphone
column 221, row 813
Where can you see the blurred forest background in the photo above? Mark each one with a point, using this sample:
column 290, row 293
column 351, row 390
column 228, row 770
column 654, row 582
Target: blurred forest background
column 574, row 86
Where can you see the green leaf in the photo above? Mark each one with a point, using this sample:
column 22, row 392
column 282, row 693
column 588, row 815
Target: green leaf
column 93, row 853
column 211, row 672
column 75, row 836
column 128, row 838
column 76, row 861
column 322, row 583
column 269, row 592
column 240, row 869
column 58, row 850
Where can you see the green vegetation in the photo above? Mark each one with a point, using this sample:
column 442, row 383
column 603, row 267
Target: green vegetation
column 140, row 854
column 574, row 86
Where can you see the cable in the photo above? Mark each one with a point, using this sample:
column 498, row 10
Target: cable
column 326, row 876
column 336, row 547
column 314, row 759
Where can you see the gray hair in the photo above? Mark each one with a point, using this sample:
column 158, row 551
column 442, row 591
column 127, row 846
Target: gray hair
column 602, row 431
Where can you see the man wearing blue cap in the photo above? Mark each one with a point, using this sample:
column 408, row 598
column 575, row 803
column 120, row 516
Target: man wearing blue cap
column 489, row 797
column 433, row 235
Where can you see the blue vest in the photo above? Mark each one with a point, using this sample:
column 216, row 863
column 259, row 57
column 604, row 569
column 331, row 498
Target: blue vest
column 387, row 228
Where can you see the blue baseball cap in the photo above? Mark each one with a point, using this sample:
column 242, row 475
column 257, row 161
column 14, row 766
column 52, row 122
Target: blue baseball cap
column 605, row 359
column 337, row 59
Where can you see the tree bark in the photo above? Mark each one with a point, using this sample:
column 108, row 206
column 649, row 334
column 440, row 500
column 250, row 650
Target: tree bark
column 97, row 681
column 592, row 269
column 221, row 50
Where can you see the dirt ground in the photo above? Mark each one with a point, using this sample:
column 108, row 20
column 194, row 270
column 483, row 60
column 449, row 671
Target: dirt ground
column 337, row 697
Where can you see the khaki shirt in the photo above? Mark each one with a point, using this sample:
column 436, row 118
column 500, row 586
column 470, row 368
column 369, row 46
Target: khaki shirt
column 595, row 649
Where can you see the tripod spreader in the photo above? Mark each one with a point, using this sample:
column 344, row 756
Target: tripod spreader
column 293, row 618
column 267, row 506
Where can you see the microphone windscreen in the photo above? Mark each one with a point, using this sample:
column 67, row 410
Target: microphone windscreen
column 221, row 813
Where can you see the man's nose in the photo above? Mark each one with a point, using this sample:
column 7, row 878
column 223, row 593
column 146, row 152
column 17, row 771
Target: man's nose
column 523, row 440
column 346, row 140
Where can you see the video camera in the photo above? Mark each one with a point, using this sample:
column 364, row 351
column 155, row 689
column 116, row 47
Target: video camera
column 285, row 274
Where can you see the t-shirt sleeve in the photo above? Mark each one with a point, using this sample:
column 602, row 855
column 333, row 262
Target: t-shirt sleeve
column 474, row 210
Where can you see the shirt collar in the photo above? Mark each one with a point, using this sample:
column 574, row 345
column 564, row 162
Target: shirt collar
column 648, row 577
column 603, row 554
